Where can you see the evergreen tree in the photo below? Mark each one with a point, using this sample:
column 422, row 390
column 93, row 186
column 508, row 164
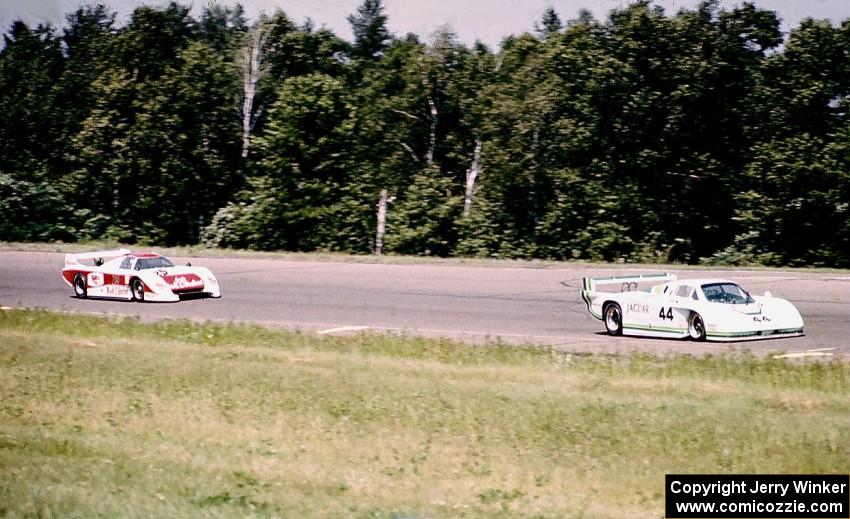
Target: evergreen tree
column 422, row 223
column 222, row 27
column 30, row 64
column 292, row 200
column 89, row 40
column 154, row 39
column 550, row 23
column 369, row 25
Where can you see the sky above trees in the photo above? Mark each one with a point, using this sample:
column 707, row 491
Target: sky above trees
column 486, row 20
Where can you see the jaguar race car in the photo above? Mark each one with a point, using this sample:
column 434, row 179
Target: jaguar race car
column 135, row 276
column 712, row 309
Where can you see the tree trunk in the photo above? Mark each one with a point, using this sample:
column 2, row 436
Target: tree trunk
column 251, row 69
column 432, row 141
column 471, row 175
column 382, row 223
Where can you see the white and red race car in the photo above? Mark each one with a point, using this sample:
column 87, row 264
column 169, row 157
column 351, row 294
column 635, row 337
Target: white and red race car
column 135, row 276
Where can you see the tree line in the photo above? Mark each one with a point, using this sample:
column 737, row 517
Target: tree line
column 701, row 136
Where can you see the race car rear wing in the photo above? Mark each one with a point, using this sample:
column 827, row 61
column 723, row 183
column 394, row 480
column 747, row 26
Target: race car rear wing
column 74, row 259
column 627, row 283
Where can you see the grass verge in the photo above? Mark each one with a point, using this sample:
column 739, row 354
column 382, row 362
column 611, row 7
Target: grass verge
column 103, row 417
column 392, row 259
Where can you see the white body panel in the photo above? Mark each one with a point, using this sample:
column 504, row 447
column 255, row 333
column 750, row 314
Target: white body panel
column 665, row 309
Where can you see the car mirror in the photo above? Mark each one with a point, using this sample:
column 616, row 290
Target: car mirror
column 767, row 293
column 188, row 263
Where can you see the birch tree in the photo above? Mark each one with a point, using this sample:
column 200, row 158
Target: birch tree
column 471, row 176
column 251, row 71
column 433, row 118
column 382, row 221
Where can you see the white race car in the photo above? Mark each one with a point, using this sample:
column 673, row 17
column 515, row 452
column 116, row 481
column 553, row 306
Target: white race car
column 713, row 309
column 135, row 276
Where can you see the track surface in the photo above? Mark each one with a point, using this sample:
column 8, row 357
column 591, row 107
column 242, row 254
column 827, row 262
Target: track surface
column 516, row 305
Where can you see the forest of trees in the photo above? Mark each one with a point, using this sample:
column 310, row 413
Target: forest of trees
column 700, row 136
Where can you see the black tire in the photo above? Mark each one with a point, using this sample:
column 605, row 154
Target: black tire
column 612, row 315
column 80, row 289
column 137, row 290
column 696, row 327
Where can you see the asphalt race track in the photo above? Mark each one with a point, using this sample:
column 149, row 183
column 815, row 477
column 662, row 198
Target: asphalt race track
column 478, row 304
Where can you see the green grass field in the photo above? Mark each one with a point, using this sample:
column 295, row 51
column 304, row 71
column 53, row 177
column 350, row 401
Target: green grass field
column 122, row 419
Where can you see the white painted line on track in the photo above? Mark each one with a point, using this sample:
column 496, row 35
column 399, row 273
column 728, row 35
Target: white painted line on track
column 837, row 278
column 822, row 349
column 342, row 329
column 491, row 335
column 766, row 278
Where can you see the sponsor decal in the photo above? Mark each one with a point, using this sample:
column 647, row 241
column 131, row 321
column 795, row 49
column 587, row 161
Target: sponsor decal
column 763, row 319
column 95, row 279
column 184, row 282
column 118, row 290
column 638, row 308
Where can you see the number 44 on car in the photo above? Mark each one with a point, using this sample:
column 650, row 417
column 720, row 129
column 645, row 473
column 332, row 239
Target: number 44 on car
column 700, row 309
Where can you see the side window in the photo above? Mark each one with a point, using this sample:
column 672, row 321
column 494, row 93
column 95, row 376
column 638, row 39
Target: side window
column 694, row 296
column 126, row 263
column 684, row 291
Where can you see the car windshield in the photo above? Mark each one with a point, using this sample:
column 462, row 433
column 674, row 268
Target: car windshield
column 153, row 263
column 728, row 293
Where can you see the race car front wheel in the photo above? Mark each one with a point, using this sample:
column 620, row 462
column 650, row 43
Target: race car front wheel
column 80, row 285
column 613, row 319
column 137, row 290
column 696, row 327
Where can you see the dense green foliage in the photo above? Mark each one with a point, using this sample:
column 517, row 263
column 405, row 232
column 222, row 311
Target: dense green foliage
column 696, row 136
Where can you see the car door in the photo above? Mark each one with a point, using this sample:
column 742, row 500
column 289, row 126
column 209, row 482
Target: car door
column 661, row 312
column 635, row 310
column 675, row 315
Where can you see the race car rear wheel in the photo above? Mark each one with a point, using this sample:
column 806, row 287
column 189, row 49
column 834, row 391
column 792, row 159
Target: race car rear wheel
column 696, row 327
column 80, row 286
column 613, row 319
column 137, row 290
